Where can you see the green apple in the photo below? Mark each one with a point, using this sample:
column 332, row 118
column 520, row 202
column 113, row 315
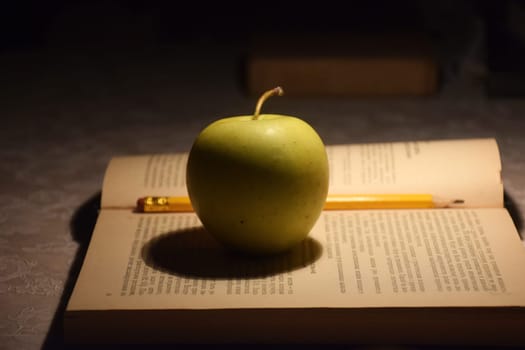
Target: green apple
column 258, row 183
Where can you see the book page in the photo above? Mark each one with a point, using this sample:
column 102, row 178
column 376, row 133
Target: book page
column 133, row 177
column 469, row 170
column 381, row 258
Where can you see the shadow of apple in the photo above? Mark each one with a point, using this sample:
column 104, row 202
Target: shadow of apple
column 195, row 253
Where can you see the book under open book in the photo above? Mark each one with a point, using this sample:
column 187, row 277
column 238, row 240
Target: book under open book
column 391, row 276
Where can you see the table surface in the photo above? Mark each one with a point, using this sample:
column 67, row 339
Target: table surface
column 65, row 113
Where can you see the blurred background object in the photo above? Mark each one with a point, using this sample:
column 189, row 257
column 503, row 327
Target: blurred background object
column 462, row 45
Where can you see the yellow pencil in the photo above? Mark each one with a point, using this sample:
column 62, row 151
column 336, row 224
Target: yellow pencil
column 153, row 204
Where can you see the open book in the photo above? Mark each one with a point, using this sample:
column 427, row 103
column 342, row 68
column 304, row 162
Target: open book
column 394, row 276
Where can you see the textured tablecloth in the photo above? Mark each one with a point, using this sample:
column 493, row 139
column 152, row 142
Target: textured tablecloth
column 65, row 113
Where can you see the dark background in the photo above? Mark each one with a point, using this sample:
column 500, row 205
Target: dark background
column 475, row 39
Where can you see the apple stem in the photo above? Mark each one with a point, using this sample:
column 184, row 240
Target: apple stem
column 275, row 91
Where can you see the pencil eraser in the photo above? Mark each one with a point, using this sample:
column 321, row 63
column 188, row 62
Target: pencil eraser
column 140, row 204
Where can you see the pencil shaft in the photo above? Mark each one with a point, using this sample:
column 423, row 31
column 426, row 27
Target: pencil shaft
column 333, row 202
column 379, row 201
